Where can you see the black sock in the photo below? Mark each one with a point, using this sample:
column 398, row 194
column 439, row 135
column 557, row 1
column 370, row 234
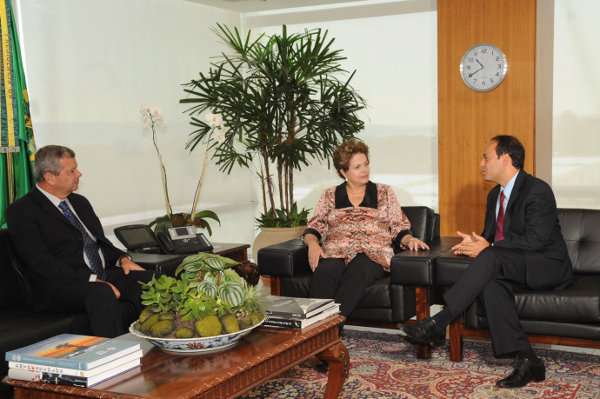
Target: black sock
column 442, row 319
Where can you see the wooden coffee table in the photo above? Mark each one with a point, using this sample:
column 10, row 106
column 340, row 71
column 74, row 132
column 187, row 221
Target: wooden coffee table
column 263, row 354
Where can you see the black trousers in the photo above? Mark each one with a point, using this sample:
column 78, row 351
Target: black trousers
column 108, row 316
column 492, row 277
column 346, row 283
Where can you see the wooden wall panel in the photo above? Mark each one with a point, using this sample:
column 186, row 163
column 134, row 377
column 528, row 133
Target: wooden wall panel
column 468, row 119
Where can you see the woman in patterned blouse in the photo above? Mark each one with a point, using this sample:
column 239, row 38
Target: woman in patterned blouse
column 351, row 235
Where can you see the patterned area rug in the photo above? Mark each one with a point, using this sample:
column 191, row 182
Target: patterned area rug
column 384, row 367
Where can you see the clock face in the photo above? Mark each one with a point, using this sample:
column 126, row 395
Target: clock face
column 483, row 67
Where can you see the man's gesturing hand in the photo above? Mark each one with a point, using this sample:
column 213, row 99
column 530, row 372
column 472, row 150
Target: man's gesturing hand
column 471, row 245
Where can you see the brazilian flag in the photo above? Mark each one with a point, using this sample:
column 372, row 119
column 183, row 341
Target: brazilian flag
column 17, row 147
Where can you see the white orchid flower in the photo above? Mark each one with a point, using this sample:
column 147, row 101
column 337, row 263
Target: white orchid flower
column 214, row 120
column 151, row 115
column 152, row 119
column 219, row 135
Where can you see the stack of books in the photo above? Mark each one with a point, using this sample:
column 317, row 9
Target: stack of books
column 78, row 360
column 290, row 312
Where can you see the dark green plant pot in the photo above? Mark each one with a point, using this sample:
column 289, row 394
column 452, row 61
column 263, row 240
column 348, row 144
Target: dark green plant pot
column 179, row 219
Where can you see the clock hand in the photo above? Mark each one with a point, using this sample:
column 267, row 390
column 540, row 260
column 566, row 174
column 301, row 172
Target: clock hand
column 480, row 64
column 474, row 72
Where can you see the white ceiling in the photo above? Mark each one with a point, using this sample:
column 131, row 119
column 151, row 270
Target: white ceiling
column 263, row 5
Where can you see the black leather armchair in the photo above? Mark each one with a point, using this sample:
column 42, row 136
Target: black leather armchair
column 567, row 316
column 386, row 302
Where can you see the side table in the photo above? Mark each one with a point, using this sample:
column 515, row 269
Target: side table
column 167, row 263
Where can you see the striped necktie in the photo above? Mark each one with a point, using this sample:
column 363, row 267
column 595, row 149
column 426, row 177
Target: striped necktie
column 90, row 247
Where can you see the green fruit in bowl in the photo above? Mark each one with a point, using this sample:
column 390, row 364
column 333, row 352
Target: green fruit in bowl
column 162, row 328
column 147, row 312
column 184, row 332
column 149, row 322
column 167, row 316
column 208, row 326
column 230, row 323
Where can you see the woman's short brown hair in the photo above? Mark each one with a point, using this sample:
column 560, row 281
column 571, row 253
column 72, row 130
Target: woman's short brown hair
column 345, row 151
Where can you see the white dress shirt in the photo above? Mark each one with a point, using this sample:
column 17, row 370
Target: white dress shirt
column 507, row 191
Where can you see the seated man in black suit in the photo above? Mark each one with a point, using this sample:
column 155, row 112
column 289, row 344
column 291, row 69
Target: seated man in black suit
column 521, row 247
column 72, row 266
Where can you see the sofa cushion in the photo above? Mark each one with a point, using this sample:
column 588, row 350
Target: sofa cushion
column 383, row 301
column 581, row 230
column 538, row 327
column 578, row 303
column 298, row 286
column 376, row 296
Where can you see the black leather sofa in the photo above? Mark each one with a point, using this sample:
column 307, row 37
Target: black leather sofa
column 19, row 324
column 568, row 316
column 385, row 303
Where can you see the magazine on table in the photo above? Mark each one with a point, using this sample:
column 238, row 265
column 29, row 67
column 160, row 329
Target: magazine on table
column 82, row 352
column 290, row 322
column 63, row 379
column 294, row 307
column 41, row 368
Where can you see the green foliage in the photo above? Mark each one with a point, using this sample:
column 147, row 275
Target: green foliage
column 207, row 293
column 196, row 266
column 284, row 99
column 284, row 218
column 231, row 293
column 199, row 306
column 157, row 294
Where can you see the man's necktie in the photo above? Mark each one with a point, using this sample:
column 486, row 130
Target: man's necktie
column 499, row 236
column 90, row 247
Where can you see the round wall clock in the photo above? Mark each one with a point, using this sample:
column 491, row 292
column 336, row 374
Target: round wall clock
column 483, row 67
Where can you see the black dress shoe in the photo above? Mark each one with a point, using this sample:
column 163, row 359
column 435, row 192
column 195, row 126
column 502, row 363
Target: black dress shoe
column 424, row 332
column 524, row 371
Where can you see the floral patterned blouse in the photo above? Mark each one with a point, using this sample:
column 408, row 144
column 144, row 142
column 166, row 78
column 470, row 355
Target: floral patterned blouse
column 372, row 228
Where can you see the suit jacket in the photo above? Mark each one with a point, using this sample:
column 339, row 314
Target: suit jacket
column 49, row 246
column 531, row 225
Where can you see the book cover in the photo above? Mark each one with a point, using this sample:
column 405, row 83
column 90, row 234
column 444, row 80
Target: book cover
column 82, row 352
column 78, row 381
column 293, row 307
column 41, row 368
column 273, row 321
column 308, row 315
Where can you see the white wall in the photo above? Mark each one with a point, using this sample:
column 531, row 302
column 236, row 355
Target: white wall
column 92, row 64
column 576, row 121
column 392, row 45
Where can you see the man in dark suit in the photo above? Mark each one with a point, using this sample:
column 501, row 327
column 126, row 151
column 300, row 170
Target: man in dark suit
column 521, row 247
column 72, row 265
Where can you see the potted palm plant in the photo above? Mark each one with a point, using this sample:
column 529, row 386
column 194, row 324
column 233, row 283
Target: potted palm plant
column 281, row 102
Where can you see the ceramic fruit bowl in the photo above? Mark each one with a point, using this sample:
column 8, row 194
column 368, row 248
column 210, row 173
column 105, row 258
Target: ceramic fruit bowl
column 196, row 345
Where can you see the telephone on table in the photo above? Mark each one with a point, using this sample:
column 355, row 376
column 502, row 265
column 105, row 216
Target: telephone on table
column 177, row 240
